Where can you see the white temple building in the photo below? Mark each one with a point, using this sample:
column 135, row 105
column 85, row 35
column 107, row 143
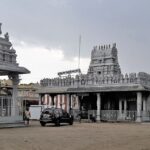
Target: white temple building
column 104, row 91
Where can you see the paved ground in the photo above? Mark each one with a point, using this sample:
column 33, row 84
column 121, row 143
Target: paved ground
column 84, row 136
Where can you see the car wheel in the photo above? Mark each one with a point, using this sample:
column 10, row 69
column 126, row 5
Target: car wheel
column 57, row 123
column 42, row 124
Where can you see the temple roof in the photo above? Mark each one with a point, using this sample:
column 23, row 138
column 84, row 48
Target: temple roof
column 104, row 75
column 91, row 89
column 5, row 69
column 8, row 63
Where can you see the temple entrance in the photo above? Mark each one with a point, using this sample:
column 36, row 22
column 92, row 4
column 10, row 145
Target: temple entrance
column 109, row 106
column 110, row 101
column 88, row 102
column 131, row 105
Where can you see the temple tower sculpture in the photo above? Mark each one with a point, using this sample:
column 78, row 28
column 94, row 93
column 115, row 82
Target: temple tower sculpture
column 104, row 61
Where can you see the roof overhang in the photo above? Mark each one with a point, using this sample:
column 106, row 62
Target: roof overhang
column 7, row 69
column 90, row 89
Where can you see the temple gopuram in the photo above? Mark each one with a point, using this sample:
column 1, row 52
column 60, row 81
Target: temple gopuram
column 104, row 92
column 10, row 108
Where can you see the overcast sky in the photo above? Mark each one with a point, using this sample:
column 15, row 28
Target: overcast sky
column 45, row 33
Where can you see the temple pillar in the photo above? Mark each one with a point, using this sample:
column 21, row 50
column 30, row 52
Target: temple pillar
column 144, row 105
column 125, row 108
column 63, row 102
column 98, row 107
column 120, row 108
column 139, row 106
column 68, row 102
column 14, row 104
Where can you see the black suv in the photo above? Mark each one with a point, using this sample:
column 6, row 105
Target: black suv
column 56, row 116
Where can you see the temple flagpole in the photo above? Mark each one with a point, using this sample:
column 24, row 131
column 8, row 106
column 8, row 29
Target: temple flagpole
column 79, row 52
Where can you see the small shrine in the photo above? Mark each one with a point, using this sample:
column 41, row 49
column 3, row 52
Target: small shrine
column 10, row 107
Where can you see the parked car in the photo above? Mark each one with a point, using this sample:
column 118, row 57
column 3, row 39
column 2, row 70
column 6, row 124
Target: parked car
column 56, row 116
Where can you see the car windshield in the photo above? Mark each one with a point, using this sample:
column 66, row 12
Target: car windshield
column 47, row 111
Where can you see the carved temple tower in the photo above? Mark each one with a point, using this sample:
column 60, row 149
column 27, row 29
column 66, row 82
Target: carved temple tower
column 104, row 61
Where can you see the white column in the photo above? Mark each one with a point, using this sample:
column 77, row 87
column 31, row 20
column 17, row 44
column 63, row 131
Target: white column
column 58, row 101
column 50, row 100
column 68, row 102
column 109, row 105
column 139, row 106
column 15, row 82
column 120, row 108
column 144, row 105
column 125, row 108
column 71, row 105
column 2, row 100
column 98, row 106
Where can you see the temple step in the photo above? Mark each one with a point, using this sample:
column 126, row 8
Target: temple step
column 12, row 125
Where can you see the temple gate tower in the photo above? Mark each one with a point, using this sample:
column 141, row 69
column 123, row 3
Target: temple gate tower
column 104, row 61
column 9, row 107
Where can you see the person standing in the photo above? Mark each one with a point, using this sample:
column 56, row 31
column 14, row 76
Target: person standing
column 27, row 116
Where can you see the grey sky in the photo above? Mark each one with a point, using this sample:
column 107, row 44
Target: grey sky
column 58, row 24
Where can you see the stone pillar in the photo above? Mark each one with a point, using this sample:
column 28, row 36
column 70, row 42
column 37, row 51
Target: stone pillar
column 125, row 108
column 98, row 107
column 68, row 102
column 139, row 106
column 2, row 99
column 109, row 105
column 144, row 105
column 14, row 106
column 120, row 109
column 63, row 102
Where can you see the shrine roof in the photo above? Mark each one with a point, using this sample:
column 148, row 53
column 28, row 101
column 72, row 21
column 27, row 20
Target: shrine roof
column 6, row 69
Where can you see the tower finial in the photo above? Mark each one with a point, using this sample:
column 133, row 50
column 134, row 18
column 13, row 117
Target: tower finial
column 0, row 28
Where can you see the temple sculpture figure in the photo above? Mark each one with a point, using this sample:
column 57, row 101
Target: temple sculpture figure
column 10, row 107
column 104, row 92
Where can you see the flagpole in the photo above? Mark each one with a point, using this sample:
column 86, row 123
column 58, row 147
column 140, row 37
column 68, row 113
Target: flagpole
column 79, row 52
